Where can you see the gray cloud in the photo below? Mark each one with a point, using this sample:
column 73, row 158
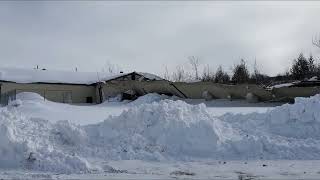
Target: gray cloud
column 145, row 36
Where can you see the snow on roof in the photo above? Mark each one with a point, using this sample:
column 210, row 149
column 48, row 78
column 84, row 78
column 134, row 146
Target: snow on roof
column 20, row 75
column 289, row 84
column 149, row 76
column 314, row 78
column 283, row 85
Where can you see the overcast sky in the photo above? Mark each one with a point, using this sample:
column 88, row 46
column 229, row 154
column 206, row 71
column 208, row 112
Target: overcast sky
column 146, row 36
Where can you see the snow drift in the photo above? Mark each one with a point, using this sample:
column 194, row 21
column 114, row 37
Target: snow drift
column 29, row 96
column 37, row 144
column 179, row 131
column 160, row 130
column 300, row 120
column 150, row 98
column 164, row 130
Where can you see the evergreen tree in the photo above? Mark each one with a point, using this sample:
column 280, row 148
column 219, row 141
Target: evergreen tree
column 241, row 73
column 225, row 78
column 221, row 76
column 300, row 68
column 312, row 66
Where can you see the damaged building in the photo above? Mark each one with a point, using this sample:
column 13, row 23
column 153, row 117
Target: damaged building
column 93, row 87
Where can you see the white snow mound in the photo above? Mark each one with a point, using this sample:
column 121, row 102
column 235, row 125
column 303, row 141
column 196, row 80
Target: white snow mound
column 29, row 96
column 164, row 130
column 176, row 130
column 160, row 130
column 39, row 145
column 148, row 98
column 300, row 120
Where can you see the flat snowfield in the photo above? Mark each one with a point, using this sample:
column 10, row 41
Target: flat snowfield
column 83, row 114
column 159, row 137
column 228, row 170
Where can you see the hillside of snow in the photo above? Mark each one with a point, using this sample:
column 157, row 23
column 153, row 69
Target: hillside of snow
column 160, row 131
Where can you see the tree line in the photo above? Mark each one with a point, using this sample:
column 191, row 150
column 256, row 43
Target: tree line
column 302, row 68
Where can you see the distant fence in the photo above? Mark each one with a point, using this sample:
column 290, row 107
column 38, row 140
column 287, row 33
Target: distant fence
column 7, row 97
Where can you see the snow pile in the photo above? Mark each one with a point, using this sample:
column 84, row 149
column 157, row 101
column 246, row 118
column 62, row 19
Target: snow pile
column 176, row 130
column 150, row 98
column 39, row 145
column 29, row 96
column 164, row 130
column 299, row 120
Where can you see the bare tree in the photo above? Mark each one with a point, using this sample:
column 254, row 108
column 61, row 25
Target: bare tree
column 257, row 77
column 255, row 68
column 195, row 62
column 179, row 75
column 111, row 68
column 316, row 41
column 166, row 74
column 208, row 74
column 256, row 73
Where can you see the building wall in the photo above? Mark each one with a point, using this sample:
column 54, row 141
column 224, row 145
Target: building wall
column 181, row 89
column 292, row 92
column 54, row 92
column 222, row 91
column 197, row 89
column 78, row 93
column 113, row 88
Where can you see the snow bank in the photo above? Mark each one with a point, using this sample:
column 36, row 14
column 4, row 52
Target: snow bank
column 39, row 145
column 29, row 96
column 152, row 97
column 149, row 98
column 298, row 120
column 164, row 130
column 160, row 130
column 176, row 130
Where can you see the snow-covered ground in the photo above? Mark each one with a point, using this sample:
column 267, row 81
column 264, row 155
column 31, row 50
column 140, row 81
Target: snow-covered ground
column 33, row 105
column 160, row 137
column 136, row 169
